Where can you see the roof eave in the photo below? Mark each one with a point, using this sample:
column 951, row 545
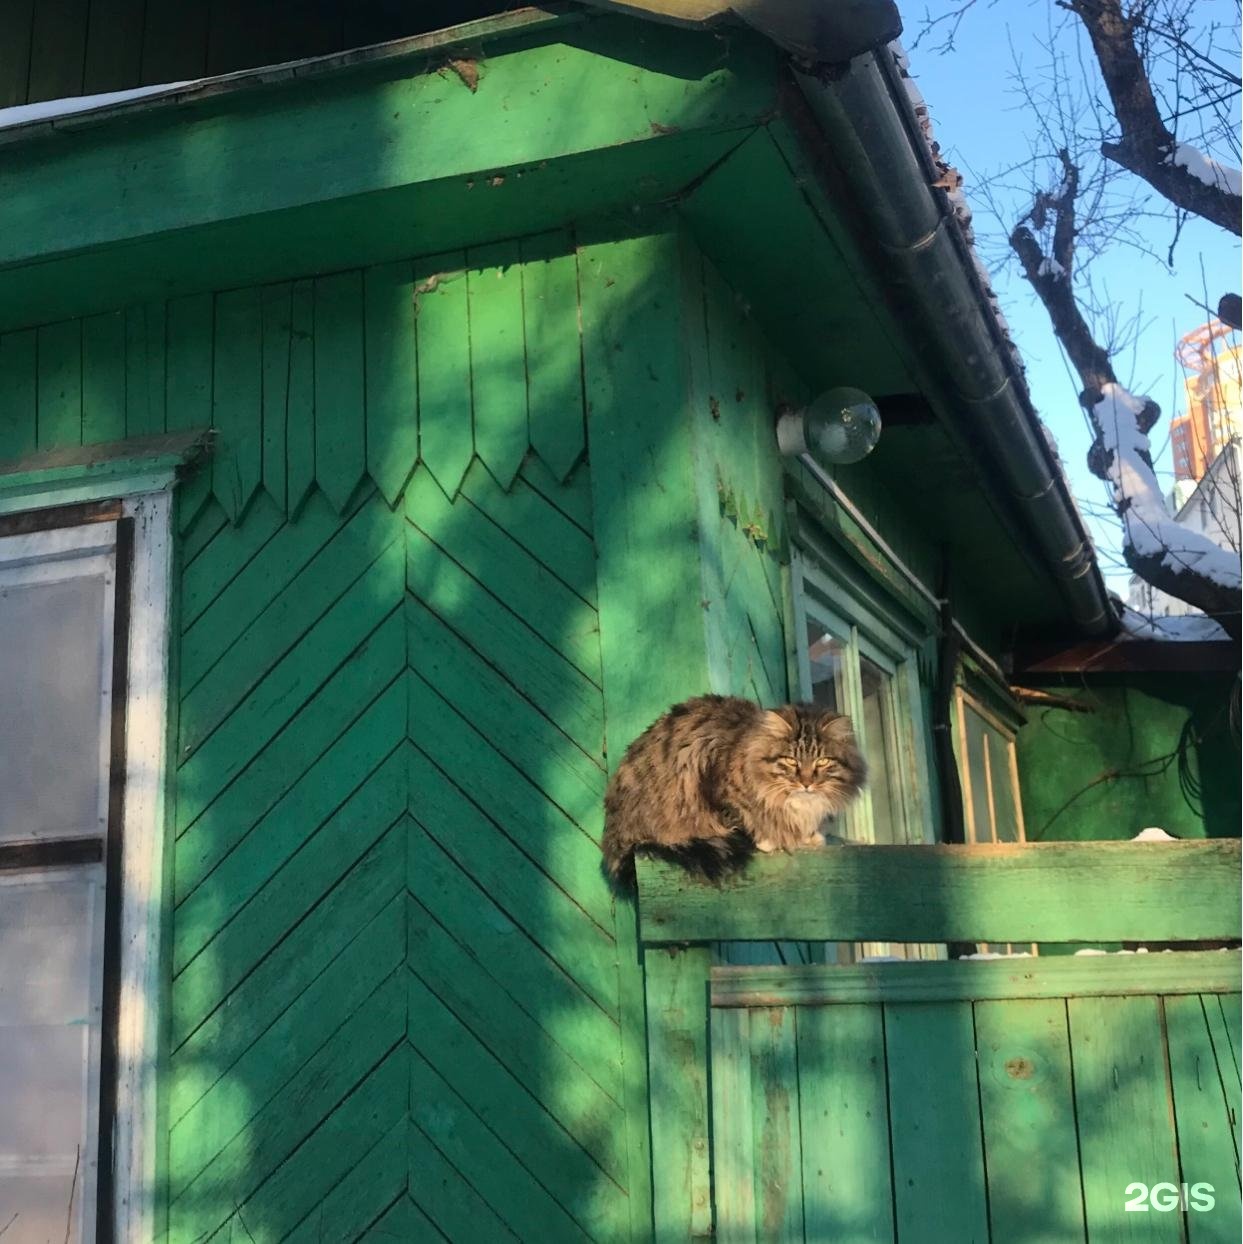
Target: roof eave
column 917, row 242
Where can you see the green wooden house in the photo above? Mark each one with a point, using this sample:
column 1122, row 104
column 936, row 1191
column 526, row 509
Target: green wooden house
column 387, row 435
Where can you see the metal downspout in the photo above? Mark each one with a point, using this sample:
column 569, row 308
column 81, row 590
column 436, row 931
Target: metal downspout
column 868, row 121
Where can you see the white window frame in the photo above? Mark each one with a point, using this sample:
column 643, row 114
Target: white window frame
column 895, row 653
column 146, row 500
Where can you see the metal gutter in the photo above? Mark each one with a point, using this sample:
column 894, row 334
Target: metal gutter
column 868, row 121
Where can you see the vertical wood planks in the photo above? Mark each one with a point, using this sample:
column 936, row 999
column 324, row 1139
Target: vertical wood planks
column 554, row 368
column 1221, row 1013
column 276, row 305
column 190, row 332
column 1203, row 1100
column 300, row 399
column 174, row 41
column 677, row 1012
column 1028, row 1111
column 1122, row 1102
column 733, row 1147
column 15, row 22
column 775, row 1120
column 60, row 384
column 113, row 45
column 145, row 348
column 642, row 488
column 103, row 378
column 340, row 423
column 642, row 514
column 844, row 1122
column 237, row 387
column 18, row 393
column 57, row 49
column 934, row 1113
column 1228, row 1004
column 392, row 377
column 497, row 359
column 442, row 327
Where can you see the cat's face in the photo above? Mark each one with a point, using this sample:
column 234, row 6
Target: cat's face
column 804, row 753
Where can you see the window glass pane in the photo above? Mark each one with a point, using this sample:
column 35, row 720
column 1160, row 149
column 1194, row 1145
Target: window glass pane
column 879, row 731
column 826, row 655
column 51, row 981
column 53, row 690
column 1005, row 809
column 978, row 774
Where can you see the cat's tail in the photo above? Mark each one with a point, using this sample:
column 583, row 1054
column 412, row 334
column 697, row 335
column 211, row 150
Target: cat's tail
column 710, row 858
column 618, row 859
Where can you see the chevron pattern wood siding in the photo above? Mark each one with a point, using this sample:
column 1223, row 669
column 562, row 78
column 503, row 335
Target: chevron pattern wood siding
column 395, row 990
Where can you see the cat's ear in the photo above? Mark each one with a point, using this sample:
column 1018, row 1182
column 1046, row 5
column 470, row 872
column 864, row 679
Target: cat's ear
column 781, row 721
column 834, row 728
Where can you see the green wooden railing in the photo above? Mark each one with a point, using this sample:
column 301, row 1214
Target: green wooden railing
column 727, row 1085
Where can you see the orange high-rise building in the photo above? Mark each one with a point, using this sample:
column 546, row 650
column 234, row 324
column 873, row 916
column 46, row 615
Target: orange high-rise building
column 1212, row 358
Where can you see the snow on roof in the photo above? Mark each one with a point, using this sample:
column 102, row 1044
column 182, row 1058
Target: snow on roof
column 54, row 109
column 950, row 180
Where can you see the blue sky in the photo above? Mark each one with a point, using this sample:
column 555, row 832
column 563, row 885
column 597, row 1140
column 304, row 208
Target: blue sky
column 984, row 127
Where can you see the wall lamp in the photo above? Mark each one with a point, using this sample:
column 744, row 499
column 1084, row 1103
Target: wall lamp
column 840, row 427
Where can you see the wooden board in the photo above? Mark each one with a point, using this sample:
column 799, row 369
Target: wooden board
column 340, row 414
column 1124, row 1112
column 678, row 1010
column 498, row 358
column 1042, row 892
column 1027, row 1110
column 938, row 1155
column 1204, row 1094
column 1054, row 976
column 844, row 1111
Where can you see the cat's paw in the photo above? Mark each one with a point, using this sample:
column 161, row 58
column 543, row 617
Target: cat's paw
column 762, row 844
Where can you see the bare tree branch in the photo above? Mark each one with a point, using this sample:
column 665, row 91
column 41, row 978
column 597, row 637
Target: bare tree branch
column 1181, row 562
column 1147, row 148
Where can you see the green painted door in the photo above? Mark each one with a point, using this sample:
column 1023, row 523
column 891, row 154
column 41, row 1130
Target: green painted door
column 1010, row 1101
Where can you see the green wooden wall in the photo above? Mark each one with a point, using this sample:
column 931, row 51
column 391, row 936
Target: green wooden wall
column 1150, row 749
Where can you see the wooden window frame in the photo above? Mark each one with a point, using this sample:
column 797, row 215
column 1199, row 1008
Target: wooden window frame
column 965, row 697
column 137, row 493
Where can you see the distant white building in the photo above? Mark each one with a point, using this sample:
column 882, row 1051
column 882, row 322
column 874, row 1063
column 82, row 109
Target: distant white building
column 1210, row 506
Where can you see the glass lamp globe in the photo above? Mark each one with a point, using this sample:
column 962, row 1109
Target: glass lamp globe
column 841, row 426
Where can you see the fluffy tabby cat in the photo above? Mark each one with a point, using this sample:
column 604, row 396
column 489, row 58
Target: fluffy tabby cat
column 717, row 777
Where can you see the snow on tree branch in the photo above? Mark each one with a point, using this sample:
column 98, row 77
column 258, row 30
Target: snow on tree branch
column 1173, row 558
column 1150, row 533
column 1178, row 172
